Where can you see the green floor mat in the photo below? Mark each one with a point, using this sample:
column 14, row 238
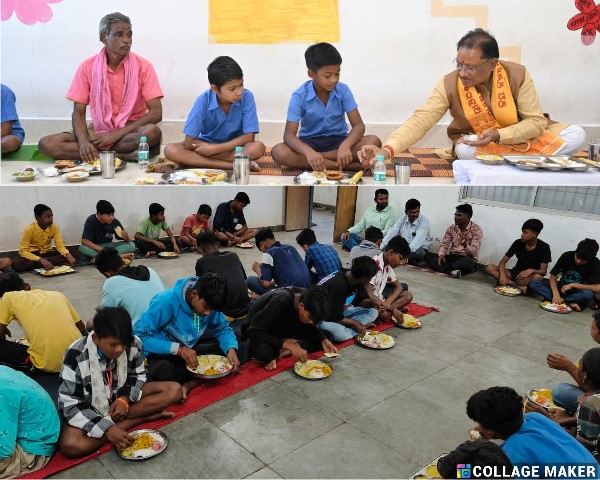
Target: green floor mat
column 26, row 152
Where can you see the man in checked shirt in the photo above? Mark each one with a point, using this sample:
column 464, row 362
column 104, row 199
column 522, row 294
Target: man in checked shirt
column 459, row 248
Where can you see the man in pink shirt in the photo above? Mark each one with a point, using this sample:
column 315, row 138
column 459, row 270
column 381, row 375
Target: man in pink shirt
column 459, row 248
column 124, row 96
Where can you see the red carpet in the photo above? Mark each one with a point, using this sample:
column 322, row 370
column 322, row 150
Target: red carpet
column 250, row 374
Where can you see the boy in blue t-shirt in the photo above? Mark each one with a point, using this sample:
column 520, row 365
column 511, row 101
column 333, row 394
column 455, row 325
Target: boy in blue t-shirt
column 319, row 107
column 222, row 118
column 528, row 439
column 12, row 132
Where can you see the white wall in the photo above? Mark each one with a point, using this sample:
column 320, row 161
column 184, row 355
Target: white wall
column 394, row 51
column 501, row 226
column 72, row 205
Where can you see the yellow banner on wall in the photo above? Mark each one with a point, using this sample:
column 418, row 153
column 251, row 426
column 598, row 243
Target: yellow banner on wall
column 273, row 21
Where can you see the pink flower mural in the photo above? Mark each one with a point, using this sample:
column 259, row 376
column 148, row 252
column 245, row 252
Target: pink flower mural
column 28, row 11
column 588, row 20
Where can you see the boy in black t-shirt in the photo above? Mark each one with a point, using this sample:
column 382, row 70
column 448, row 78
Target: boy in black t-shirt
column 228, row 216
column 533, row 256
column 574, row 279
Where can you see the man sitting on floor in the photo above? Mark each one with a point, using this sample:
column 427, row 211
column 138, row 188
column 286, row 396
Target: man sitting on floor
column 103, row 390
column 147, row 236
column 574, row 278
column 228, row 216
column 124, row 96
column 370, row 246
column 36, row 250
column 283, row 323
column 493, row 98
column 281, row 265
column 29, row 427
column 324, row 258
column 414, row 228
column 533, row 256
column 385, row 291
column 228, row 266
column 177, row 318
column 49, row 322
column 349, row 312
column 127, row 286
column 528, row 439
column 99, row 230
column 458, row 250
column 381, row 215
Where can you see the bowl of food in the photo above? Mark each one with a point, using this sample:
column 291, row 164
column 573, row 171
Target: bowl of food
column 26, row 175
column 525, row 165
column 75, row 177
column 490, row 159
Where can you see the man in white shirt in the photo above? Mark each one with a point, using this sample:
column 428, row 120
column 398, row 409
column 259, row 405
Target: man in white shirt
column 414, row 228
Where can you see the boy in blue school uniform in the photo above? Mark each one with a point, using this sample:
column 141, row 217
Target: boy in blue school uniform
column 319, row 107
column 12, row 132
column 222, row 118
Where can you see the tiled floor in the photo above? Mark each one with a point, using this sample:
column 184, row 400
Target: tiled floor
column 382, row 414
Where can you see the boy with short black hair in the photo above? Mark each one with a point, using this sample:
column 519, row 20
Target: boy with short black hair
column 386, row 293
column 529, row 439
column 319, row 107
column 350, row 313
column 176, row 320
column 533, row 256
column 574, row 278
column 222, row 118
column 281, row 265
column 370, row 246
column 147, row 236
column 36, row 250
column 227, row 218
column 194, row 225
column 99, row 230
column 103, row 390
column 475, row 453
column 324, row 258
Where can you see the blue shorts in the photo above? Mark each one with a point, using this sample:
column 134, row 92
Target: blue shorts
column 324, row 144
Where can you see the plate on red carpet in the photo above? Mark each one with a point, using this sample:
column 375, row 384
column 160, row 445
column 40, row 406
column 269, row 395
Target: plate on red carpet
column 147, row 444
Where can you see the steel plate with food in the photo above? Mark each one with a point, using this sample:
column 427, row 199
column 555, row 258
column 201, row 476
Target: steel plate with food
column 145, row 181
column 211, row 367
column 313, row 369
column 62, row 270
column 147, row 444
column 555, row 307
column 245, row 245
column 508, row 291
column 196, row 176
column 376, row 340
column 541, row 397
column 429, row 470
column 168, row 254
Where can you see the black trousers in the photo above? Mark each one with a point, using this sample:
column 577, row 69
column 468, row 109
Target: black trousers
column 453, row 262
column 264, row 353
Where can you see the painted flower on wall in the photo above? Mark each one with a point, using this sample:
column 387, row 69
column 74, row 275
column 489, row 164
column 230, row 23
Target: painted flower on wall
column 588, row 20
column 28, row 11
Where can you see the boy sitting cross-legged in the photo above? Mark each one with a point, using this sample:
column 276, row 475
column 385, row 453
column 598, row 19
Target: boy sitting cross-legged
column 222, row 118
column 319, row 107
column 103, row 390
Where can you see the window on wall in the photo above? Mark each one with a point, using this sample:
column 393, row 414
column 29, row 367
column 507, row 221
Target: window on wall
column 576, row 200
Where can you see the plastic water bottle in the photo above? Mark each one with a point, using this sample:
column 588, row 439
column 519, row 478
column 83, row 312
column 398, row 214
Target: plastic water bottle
column 143, row 154
column 379, row 171
column 239, row 153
